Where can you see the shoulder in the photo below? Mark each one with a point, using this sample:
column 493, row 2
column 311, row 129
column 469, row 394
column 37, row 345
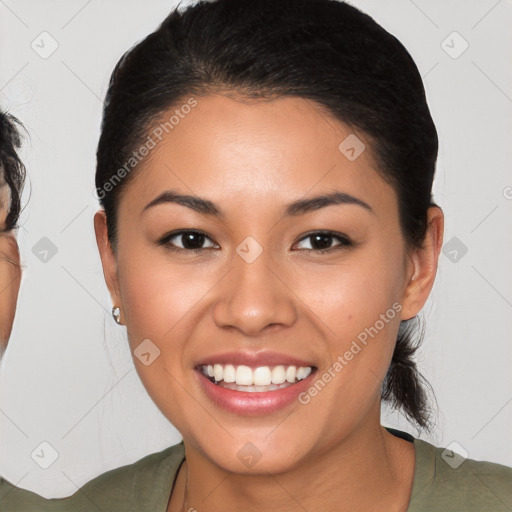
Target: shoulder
column 143, row 485
column 146, row 483
column 445, row 480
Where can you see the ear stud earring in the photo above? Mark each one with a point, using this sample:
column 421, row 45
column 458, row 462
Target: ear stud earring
column 116, row 315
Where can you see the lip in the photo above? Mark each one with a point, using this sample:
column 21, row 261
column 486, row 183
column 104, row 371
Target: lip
column 253, row 359
column 253, row 404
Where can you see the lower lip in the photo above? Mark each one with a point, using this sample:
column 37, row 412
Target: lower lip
column 253, row 404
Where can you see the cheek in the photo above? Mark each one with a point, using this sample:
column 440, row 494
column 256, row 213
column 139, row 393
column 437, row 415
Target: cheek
column 358, row 304
column 161, row 300
column 353, row 294
column 161, row 303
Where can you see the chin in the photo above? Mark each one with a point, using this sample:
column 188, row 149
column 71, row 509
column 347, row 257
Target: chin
column 255, row 456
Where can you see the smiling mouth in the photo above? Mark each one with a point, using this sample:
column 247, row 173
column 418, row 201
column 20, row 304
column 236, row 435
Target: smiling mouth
column 255, row 380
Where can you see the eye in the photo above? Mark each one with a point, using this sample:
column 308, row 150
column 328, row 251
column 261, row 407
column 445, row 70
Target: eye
column 190, row 241
column 321, row 241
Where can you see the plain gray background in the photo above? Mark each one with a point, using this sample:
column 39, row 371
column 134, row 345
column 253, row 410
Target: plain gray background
column 67, row 378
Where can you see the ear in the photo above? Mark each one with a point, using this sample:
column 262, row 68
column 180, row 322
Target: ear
column 108, row 259
column 423, row 265
column 10, row 280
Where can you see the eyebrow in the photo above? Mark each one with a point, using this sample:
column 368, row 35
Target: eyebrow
column 296, row 208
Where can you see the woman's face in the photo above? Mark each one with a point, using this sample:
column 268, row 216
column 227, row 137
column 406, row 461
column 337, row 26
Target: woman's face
column 259, row 292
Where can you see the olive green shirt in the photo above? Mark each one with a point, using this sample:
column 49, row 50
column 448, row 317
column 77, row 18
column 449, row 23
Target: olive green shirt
column 440, row 484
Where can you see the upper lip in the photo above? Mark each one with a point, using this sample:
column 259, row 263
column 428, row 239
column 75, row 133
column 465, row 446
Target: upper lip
column 254, row 359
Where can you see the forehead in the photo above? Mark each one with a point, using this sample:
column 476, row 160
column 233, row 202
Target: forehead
column 254, row 152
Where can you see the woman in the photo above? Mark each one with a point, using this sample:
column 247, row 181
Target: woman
column 268, row 236
column 12, row 178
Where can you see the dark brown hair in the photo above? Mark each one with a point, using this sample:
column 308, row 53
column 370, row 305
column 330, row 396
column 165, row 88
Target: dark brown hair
column 12, row 170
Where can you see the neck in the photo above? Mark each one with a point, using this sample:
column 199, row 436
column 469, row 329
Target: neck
column 370, row 470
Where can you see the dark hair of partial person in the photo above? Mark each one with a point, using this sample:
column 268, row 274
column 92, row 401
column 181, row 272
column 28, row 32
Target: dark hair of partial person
column 321, row 50
column 12, row 170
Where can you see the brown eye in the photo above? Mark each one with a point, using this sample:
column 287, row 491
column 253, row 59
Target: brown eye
column 321, row 241
column 187, row 241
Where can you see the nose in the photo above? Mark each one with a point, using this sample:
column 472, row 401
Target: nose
column 254, row 297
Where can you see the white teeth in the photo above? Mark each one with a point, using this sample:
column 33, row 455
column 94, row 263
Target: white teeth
column 278, row 375
column 217, row 372
column 303, row 372
column 254, row 389
column 290, row 373
column 243, row 375
column 229, row 373
column 262, row 376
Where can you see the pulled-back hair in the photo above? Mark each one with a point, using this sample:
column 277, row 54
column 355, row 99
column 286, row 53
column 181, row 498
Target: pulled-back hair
column 12, row 170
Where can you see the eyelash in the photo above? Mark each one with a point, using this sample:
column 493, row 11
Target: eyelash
column 345, row 242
